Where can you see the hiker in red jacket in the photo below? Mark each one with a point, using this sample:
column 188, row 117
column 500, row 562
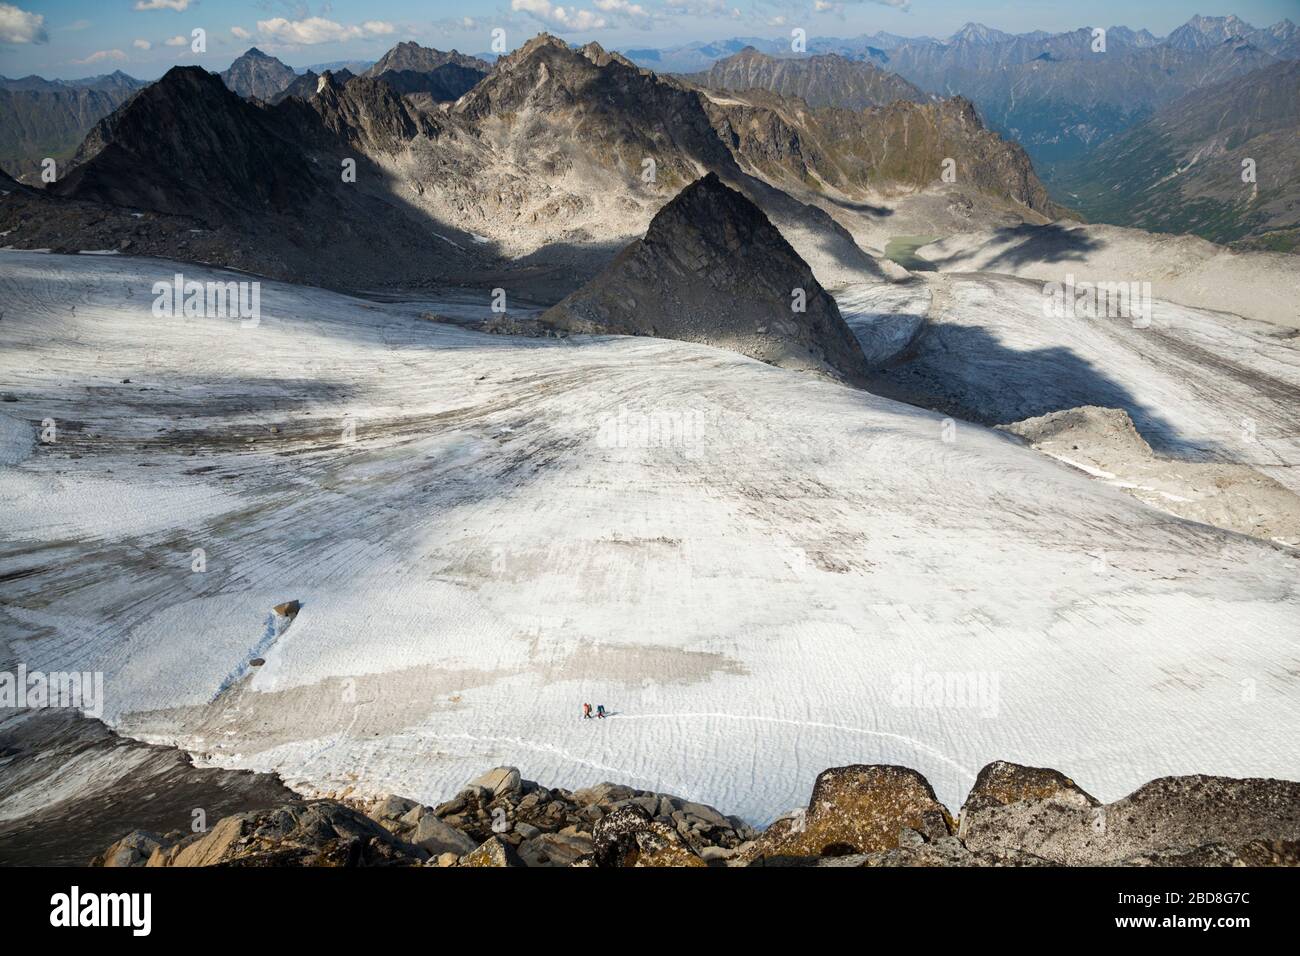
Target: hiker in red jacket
column 586, row 711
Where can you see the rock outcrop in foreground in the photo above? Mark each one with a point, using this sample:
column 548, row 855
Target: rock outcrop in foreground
column 857, row 816
column 713, row 269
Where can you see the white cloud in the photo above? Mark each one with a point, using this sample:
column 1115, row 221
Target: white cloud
column 239, row 33
column 19, row 26
column 621, row 6
column 100, row 55
column 177, row 41
column 142, row 44
column 177, row 5
column 566, row 17
column 319, row 30
column 702, row 8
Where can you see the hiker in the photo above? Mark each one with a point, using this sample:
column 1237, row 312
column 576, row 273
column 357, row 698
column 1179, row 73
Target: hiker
column 586, row 711
column 600, row 711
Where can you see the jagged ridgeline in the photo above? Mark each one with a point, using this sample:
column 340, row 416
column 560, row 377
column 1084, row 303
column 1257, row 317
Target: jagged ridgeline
column 820, row 80
column 547, row 166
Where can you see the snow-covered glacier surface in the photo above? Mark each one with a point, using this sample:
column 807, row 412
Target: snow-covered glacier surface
column 758, row 573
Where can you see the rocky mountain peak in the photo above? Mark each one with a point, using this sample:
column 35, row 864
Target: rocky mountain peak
column 978, row 33
column 825, row 79
column 365, row 111
column 257, row 74
column 409, row 56
column 713, row 269
column 189, row 145
column 598, row 55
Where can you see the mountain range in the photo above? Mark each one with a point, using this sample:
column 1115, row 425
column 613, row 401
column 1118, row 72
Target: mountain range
column 826, row 126
column 48, row 118
column 1183, row 170
column 545, row 168
column 1050, row 92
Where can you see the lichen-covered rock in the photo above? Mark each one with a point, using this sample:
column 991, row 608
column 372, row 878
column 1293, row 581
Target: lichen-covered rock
column 630, row 837
column 854, row 810
column 1013, row 808
column 858, row 816
column 493, row 852
column 1041, row 812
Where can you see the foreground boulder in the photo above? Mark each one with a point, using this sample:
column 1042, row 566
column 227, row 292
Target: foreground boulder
column 1195, row 820
column 712, row 269
column 855, row 810
column 319, row 833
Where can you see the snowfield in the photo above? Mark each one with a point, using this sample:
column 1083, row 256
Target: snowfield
column 759, row 573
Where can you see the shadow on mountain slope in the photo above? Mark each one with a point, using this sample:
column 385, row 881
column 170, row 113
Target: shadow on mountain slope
column 968, row 373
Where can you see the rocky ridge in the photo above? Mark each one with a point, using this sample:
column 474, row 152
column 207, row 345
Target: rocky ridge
column 819, row 80
column 861, row 815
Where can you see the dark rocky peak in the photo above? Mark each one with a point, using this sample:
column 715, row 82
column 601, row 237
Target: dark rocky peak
column 365, row 112
column 188, row 145
column 713, row 269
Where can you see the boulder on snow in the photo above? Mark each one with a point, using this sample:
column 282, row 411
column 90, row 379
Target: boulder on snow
column 288, row 609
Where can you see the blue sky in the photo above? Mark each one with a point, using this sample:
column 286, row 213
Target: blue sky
column 73, row 38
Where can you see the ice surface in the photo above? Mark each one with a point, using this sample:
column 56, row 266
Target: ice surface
column 486, row 531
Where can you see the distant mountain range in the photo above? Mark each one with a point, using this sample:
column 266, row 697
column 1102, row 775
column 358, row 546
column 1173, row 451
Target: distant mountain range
column 42, row 118
column 412, row 58
column 822, row 80
column 1050, row 92
column 1182, row 169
